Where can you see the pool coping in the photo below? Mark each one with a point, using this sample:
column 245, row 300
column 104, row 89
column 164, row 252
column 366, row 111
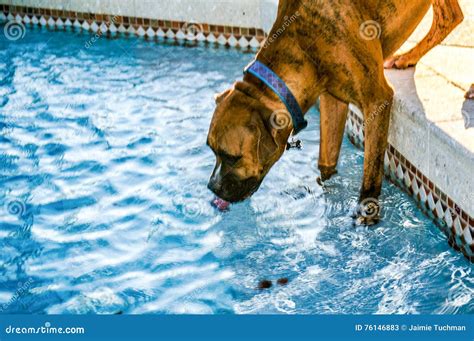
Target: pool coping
column 413, row 169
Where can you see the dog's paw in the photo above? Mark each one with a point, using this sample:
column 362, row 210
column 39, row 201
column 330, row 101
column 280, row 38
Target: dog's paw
column 366, row 221
column 470, row 93
column 326, row 174
column 403, row 61
column 367, row 212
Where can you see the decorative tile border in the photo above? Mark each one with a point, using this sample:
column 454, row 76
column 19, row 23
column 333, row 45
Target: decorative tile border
column 144, row 27
column 453, row 221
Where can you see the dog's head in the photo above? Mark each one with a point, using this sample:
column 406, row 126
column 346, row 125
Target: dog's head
column 245, row 141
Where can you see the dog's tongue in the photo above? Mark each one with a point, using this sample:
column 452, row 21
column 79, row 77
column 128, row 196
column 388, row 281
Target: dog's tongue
column 221, row 204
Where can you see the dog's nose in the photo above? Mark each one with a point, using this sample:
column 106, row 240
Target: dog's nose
column 214, row 186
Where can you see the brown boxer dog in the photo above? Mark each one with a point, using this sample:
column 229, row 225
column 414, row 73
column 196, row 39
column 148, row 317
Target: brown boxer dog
column 332, row 50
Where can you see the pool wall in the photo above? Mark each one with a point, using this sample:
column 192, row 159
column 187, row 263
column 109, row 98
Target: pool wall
column 433, row 163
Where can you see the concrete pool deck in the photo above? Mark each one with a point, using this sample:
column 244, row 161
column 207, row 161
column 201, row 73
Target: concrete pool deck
column 431, row 151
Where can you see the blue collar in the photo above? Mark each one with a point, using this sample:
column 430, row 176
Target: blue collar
column 271, row 79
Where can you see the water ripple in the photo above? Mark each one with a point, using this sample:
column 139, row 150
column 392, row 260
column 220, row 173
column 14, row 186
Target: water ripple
column 103, row 155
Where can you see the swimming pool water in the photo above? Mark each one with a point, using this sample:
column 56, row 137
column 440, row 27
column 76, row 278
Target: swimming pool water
column 104, row 206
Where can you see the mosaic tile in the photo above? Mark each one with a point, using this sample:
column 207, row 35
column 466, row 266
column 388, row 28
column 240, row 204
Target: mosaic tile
column 222, row 40
column 140, row 31
column 51, row 22
column 94, row 27
column 150, row 32
column 160, row 33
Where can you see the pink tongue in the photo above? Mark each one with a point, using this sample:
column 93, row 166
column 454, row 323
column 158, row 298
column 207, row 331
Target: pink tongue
column 221, row 204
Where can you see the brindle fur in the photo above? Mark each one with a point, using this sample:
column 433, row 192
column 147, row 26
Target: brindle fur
column 320, row 55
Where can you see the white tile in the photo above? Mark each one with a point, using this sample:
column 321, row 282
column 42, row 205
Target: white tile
column 399, row 172
column 181, row 36
column 407, row 180
column 122, row 29
column 94, row 27
column 232, row 41
column 457, row 226
column 439, row 209
column 160, row 33
column 141, row 32
column 51, row 22
column 200, row 37
column 103, row 28
column 112, row 28
column 414, row 187
column 150, row 32
column 448, row 218
column 222, row 40
column 131, row 30
column 170, row 34
column 211, row 38
column 423, row 195
column 467, row 235
column 86, row 26
column 243, row 42
column 431, row 202
column 255, row 43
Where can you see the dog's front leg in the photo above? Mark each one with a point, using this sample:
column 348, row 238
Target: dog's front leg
column 376, row 109
column 446, row 16
column 333, row 120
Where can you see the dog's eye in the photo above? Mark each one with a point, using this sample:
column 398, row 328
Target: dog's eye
column 231, row 159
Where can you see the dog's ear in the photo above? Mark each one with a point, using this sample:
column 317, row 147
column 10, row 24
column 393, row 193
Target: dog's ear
column 248, row 89
column 219, row 97
column 267, row 144
column 277, row 119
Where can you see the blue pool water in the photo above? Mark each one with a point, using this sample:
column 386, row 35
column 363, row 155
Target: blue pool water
column 104, row 206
